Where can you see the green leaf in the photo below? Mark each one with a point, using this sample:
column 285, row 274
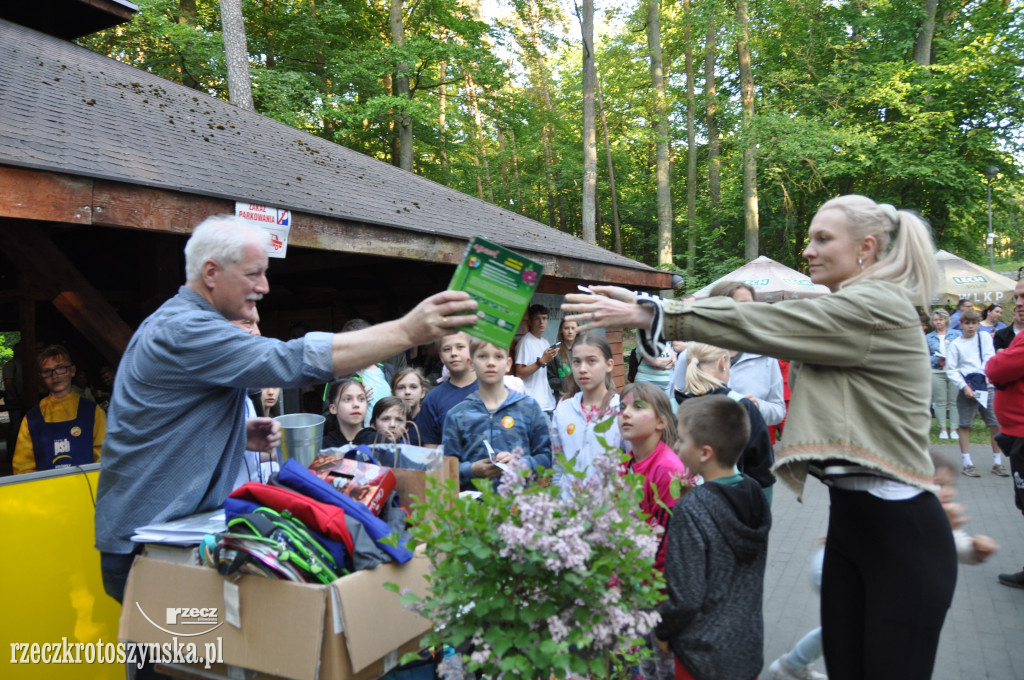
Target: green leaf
column 409, row 598
column 528, row 615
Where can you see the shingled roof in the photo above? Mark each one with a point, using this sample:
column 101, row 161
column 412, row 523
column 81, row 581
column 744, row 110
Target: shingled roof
column 67, row 109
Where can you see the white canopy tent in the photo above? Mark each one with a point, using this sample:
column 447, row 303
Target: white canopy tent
column 959, row 278
column 771, row 281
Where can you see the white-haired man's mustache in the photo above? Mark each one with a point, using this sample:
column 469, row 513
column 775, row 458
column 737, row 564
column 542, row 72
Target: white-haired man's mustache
column 255, row 297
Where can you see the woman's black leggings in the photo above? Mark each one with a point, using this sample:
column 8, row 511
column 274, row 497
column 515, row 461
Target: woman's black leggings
column 887, row 582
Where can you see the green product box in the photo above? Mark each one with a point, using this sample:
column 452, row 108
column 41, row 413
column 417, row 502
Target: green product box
column 502, row 282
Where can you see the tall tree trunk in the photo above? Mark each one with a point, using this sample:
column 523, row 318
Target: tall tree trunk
column 474, row 106
column 502, row 168
column 187, row 15
column 319, row 67
column 616, row 228
column 711, row 116
column 401, row 90
column 589, row 126
column 549, row 175
column 442, row 105
column 236, row 53
column 691, row 148
column 563, row 216
column 751, row 233
column 923, row 45
column 660, row 125
column 555, row 199
column 271, row 56
column 515, row 172
column 442, row 127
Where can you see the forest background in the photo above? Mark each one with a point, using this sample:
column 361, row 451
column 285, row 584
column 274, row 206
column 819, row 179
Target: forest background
column 719, row 125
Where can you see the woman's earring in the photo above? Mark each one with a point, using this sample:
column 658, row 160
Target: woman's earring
column 860, row 262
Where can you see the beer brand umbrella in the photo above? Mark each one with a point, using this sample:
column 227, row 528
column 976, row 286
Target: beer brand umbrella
column 959, row 278
column 771, row 281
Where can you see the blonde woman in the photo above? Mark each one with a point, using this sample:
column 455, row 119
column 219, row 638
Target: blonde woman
column 858, row 420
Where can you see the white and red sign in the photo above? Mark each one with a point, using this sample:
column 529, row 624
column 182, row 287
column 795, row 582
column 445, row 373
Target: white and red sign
column 276, row 221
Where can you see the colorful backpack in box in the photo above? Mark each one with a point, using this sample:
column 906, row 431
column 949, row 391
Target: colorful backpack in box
column 274, row 544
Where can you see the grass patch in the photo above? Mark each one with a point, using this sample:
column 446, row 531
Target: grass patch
column 979, row 434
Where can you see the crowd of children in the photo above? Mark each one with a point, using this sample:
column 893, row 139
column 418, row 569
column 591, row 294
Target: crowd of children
column 707, row 482
column 692, row 471
column 707, row 475
column 486, row 425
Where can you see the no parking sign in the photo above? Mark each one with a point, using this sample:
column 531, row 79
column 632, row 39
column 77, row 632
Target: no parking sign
column 275, row 221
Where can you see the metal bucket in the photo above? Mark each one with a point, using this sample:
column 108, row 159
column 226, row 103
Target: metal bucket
column 302, row 435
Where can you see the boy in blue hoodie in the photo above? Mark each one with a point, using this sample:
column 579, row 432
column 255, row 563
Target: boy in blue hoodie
column 496, row 415
column 716, row 550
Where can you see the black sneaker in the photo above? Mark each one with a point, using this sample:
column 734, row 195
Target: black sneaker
column 1012, row 580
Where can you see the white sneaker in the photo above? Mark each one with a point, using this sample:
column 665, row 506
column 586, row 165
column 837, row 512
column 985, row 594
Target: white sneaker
column 954, row 434
column 943, row 434
column 780, row 670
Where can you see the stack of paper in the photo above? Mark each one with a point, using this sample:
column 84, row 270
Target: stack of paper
column 185, row 531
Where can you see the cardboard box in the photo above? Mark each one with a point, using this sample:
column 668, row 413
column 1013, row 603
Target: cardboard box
column 352, row 629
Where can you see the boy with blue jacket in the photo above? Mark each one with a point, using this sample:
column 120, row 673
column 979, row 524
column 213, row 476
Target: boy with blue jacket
column 496, row 415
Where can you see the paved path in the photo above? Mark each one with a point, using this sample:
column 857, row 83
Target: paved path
column 984, row 632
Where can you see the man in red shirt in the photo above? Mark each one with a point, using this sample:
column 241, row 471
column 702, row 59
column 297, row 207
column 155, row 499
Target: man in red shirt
column 1006, row 371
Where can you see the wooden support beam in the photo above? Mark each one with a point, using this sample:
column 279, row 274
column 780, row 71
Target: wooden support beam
column 46, row 196
column 34, row 253
column 57, row 197
column 31, row 381
column 126, row 205
column 116, row 204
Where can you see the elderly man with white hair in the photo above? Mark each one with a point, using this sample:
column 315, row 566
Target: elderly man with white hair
column 169, row 451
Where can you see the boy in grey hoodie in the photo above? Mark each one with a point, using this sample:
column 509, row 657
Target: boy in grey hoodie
column 716, row 550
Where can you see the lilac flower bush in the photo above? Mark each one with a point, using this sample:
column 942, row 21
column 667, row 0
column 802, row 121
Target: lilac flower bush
column 542, row 587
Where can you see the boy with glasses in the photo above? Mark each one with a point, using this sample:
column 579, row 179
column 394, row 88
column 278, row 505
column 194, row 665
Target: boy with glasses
column 64, row 429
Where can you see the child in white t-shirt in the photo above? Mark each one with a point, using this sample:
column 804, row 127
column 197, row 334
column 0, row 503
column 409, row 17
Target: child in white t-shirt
column 533, row 354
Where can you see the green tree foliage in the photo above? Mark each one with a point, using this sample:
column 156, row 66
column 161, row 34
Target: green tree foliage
column 7, row 342
column 841, row 106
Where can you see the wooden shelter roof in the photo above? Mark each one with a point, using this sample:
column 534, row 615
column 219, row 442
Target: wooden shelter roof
column 93, row 132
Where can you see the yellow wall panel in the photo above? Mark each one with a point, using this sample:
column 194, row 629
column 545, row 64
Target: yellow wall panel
column 51, row 586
